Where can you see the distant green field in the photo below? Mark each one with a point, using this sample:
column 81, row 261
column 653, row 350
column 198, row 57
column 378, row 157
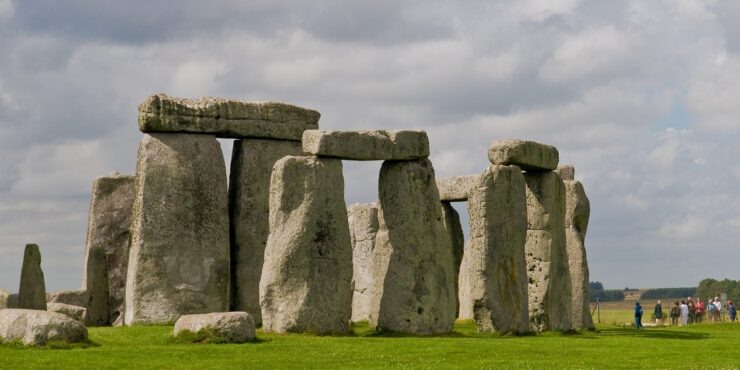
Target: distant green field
column 148, row 347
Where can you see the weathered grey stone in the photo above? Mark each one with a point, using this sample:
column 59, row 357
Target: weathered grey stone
column 107, row 248
column 566, row 172
column 577, row 212
column 249, row 193
column 306, row 278
column 496, row 267
column 13, row 301
column 413, row 291
column 35, row 327
column 77, row 297
column 367, row 145
column 179, row 256
column 225, row 118
column 4, row 299
column 363, row 227
column 456, row 188
column 75, row 312
column 236, row 327
column 451, row 220
column 529, row 155
column 547, row 261
column 32, row 291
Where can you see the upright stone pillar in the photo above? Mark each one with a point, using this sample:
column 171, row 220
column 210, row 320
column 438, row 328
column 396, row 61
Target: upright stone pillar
column 32, row 290
column 454, row 230
column 414, row 291
column 496, row 268
column 577, row 212
column 306, row 278
column 179, row 257
column 363, row 228
column 249, row 192
column 107, row 248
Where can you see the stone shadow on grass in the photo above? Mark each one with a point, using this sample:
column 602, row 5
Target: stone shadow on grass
column 653, row 333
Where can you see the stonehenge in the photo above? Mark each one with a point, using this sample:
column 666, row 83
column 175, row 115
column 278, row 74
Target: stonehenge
column 274, row 242
column 37, row 327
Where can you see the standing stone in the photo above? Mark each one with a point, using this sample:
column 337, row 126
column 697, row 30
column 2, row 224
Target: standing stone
column 413, row 263
column 495, row 261
column 363, row 228
column 547, row 261
column 4, row 299
column 32, row 291
column 249, row 193
column 306, row 279
column 577, row 212
column 179, row 257
column 452, row 225
column 107, row 248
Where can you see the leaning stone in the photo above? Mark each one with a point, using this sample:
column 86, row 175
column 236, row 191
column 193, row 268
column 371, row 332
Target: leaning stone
column 225, row 118
column 76, row 312
column 32, row 291
column 363, row 227
column 547, row 261
column 107, row 248
column 413, row 291
column 496, row 268
column 306, row 279
column 367, row 145
column 528, row 155
column 235, row 327
column 566, row 172
column 77, row 297
column 452, row 225
column 35, row 327
column 455, row 189
column 252, row 161
column 577, row 212
column 4, row 299
column 179, row 257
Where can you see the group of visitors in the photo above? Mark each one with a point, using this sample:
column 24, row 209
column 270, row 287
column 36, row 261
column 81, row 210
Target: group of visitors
column 689, row 312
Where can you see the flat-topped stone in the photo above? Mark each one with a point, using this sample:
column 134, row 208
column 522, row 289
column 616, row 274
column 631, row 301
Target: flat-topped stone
column 236, row 327
column 456, row 188
column 225, row 117
column 77, row 313
column 75, row 297
column 367, row 145
column 529, row 155
column 36, row 327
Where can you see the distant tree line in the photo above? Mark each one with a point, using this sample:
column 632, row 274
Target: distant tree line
column 662, row 293
column 596, row 290
column 712, row 288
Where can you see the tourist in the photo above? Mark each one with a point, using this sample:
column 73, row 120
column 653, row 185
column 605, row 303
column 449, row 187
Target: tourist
column 684, row 313
column 718, row 304
column 699, row 310
column 691, row 306
column 638, row 315
column 731, row 310
column 711, row 310
column 675, row 313
column 658, row 313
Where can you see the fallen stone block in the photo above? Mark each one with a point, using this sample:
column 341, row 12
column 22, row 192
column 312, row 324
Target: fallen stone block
column 529, row 155
column 456, row 188
column 367, row 145
column 75, row 312
column 32, row 291
column 75, row 297
column 363, row 227
column 35, row 327
column 225, row 118
column 235, row 327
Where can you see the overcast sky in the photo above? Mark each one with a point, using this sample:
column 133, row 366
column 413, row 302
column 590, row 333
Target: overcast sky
column 643, row 97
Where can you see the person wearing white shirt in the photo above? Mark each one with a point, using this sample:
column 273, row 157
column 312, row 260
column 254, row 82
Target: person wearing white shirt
column 684, row 313
column 719, row 308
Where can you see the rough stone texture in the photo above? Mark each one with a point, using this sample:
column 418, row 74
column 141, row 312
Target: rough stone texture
column 226, row 118
column 363, row 227
column 252, row 161
column 179, row 257
column 4, row 299
column 236, row 327
column 452, row 225
column 77, row 297
column 32, row 291
column 367, row 145
column 34, row 327
column 75, row 312
column 566, row 172
column 496, row 267
column 529, row 155
column 13, row 301
column 577, row 213
column 307, row 275
column 107, row 248
column 413, row 264
column 456, row 188
column 547, row 261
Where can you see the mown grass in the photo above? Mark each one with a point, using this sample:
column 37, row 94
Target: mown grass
column 149, row 347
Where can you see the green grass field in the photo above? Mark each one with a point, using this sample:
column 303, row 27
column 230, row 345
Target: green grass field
column 698, row 346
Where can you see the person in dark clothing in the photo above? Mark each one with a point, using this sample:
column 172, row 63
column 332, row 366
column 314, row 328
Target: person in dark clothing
column 731, row 310
column 692, row 309
column 658, row 313
column 638, row 315
column 675, row 313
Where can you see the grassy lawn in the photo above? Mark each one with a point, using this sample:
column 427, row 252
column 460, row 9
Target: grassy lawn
column 698, row 346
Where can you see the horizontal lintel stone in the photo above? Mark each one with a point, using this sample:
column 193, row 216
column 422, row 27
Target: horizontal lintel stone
column 367, row 145
column 529, row 155
column 456, row 188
